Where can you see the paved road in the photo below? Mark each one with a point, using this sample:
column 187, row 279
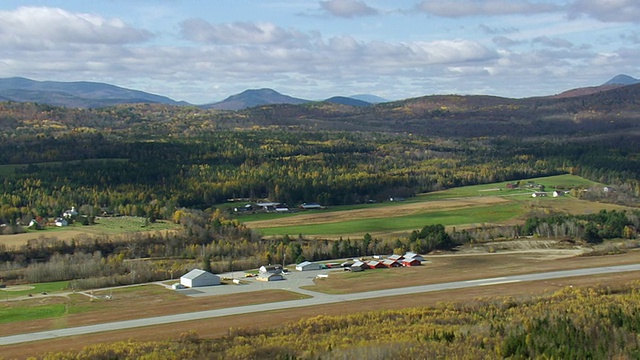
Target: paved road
column 317, row 299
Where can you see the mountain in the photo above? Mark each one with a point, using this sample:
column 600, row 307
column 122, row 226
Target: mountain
column 616, row 82
column 622, row 80
column 343, row 100
column 82, row 94
column 372, row 99
column 252, row 98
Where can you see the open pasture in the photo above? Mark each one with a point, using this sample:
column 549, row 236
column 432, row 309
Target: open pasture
column 463, row 207
column 103, row 226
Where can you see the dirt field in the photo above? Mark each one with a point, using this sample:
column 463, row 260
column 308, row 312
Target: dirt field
column 66, row 235
column 319, row 217
column 440, row 269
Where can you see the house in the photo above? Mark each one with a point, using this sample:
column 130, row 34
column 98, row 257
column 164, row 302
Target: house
column 391, row 263
column 270, row 276
column 271, row 269
column 411, row 262
column 307, row 265
column 538, row 194
column 268, row 206
column 558, row 193
column 282, row 208
column 70, row 213
column 310, row 206
column 197, row 278
column 61, row 222
column 246, row 208
column 374, row 264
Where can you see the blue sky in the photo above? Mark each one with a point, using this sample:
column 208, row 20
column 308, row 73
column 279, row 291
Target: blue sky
column 202, row 51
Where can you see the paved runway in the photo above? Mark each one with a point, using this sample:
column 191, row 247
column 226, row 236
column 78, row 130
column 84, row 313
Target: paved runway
column 317, row 299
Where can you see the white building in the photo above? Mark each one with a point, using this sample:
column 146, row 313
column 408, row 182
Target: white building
column 308, row 265
column 197, row 277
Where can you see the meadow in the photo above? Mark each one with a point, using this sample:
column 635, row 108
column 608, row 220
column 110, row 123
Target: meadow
column 463, row 207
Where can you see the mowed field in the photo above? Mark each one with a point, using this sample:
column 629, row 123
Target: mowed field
column 466, row 207
column 103, row 226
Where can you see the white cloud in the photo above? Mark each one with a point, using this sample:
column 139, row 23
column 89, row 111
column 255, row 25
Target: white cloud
column 238, row 33
column 461, row 8
column 607, row 10
column 33, row 27
column 347, row 8
column 552, row 42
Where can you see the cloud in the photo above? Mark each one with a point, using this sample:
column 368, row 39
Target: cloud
column 462, row 8
column 607, row 10
column 238, row 33
column 347, row 8
column 33, row 27
column 553, row 42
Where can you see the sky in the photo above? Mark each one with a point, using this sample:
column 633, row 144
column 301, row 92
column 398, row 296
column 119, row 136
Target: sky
column 202, row 51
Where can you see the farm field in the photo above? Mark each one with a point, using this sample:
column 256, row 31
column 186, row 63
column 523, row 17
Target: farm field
column 463, row 207
column 103, row 226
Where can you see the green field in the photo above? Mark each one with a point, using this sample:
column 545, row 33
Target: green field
column 467, row 216
column 50, row 287
column 519, row 203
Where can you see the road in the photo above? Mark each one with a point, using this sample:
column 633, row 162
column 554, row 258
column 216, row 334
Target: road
column 317, row 299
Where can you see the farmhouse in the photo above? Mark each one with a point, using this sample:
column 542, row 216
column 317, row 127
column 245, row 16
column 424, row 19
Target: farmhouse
column 558, row 193
column 271, row 269
column 61, row 222
column 310, row 206
column 197, row 278
column 308, row 265
column 70, row 213
column 270, row 277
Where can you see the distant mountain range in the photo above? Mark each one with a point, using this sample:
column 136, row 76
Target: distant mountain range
column 91, row 95
column 80, row 94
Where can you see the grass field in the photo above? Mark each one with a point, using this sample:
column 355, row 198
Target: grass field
column 11, row 292
column 461, row 207
column 103, row 226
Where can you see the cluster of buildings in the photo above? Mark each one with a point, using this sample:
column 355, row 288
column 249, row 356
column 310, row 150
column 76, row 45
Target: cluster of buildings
column 408, row 259
column 275, row 207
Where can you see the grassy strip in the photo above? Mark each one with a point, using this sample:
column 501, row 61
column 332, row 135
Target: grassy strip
column 474, row 215
column 26, row 313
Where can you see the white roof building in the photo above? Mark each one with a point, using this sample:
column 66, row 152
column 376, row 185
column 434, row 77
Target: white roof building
column 197, row 277
column 308, row 265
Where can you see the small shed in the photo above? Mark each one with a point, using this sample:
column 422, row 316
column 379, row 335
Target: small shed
column 308, row 265
column 265, row 276
column 197, row 278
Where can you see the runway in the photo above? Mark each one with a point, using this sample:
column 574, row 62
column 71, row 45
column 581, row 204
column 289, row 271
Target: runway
column 317, row 299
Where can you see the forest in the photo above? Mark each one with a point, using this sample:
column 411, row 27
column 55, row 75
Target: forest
column 180, row 164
